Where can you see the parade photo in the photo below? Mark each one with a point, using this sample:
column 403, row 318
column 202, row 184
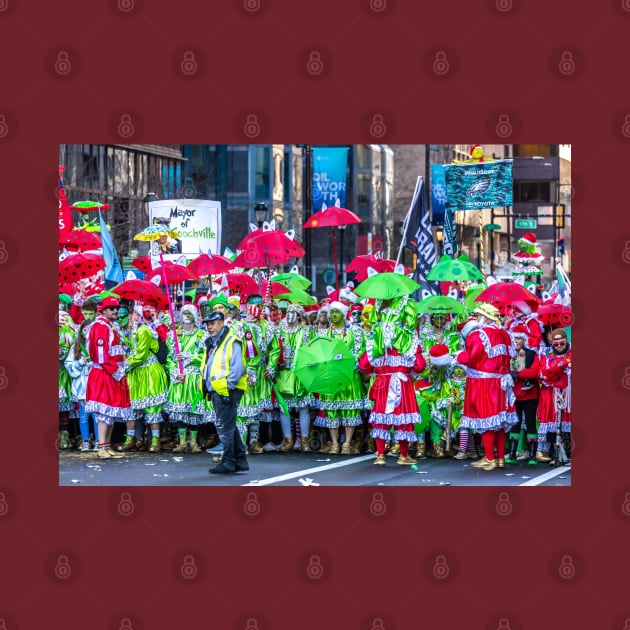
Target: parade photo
column 315, row 315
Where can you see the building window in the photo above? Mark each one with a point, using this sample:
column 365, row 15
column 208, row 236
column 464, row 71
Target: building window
column 237, row 171
column 262, row 157
column 531, row 191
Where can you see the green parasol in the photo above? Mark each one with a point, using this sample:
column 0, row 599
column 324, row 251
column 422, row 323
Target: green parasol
column 297, row 296
column 386, row 286
column 471, row 295
column 324, row 365
column 292, row 280
column 439, row 305
column 455, row 270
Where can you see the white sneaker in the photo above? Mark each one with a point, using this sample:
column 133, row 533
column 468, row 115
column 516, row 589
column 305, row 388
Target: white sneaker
column 522, row 456
column 270, row 447
column 298, row 445
column 85, row 447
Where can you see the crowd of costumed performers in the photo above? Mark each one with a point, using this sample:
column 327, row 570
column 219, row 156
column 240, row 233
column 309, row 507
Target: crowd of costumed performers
column 443, row 377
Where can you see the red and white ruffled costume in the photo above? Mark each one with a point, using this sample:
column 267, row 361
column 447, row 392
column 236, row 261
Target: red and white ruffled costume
column 489, row 399
column 392, row 391
column 107, row 392
column 555, row 393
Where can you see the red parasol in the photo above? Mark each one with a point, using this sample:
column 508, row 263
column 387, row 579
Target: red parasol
column 80, row 240
column 172, row 273
column 276, row 288
column 140, row 291
column 79, row 266
column 333, row 216
column 506, row 293
column 243, row 244
column 205, row 265
column 67, row 288
column 270, row 247
column 555, row 315
column 143, row 263
column 241, row 283
column 360, row 264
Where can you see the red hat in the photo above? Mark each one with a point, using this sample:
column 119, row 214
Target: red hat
column 150, row 302
column 529, row 238
column 520, row 331
column 107, row 302
column 439, row 355
column 422, row 383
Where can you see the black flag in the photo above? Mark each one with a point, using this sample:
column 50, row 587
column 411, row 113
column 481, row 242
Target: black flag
column 418, row 236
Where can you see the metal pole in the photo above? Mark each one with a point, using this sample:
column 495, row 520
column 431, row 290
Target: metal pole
column 307, row 186
column 342, row 229
column 555, row 243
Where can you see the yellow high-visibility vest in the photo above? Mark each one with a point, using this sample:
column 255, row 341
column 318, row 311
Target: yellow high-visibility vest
column 220, row 366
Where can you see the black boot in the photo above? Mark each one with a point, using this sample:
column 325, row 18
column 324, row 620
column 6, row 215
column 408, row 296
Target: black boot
column 511, row 458
column 531, row 448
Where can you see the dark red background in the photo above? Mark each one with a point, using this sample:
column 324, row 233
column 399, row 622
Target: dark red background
column 251, row 566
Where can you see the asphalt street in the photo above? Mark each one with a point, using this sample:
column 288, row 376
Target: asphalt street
column 295, row 469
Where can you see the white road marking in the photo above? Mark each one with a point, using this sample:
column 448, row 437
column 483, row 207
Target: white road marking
column 309, row 471
column 348, row 462
column 536, row 481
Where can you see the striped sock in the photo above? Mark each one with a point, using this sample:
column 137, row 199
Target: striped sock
column 463, row 440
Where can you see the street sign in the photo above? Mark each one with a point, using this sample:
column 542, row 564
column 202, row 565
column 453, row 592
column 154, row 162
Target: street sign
column 525, row 224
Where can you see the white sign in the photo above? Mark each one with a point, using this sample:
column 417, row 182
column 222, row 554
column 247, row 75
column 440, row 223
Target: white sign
column 197, row 222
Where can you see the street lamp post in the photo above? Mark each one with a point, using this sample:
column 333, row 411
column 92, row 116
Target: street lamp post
column 260, row 213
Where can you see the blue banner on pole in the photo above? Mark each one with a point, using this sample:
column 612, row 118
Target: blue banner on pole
column 478, row 185
column 329, row 176
column 438, row 194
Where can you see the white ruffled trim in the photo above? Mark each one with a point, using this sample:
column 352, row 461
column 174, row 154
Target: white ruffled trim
column 336, row 405
column 492, row 351
column 335, row 423
column 153, row 418
column 552, row 427
column 394, row 419
column 118, row 414
column 408, row 436
column 149, row 401
column 502, row 420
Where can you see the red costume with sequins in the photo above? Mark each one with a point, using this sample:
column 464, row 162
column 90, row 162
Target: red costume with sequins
column 107, row 392
column 489, row 399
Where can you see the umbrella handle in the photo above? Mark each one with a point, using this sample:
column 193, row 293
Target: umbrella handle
column 170, row 311
column 335, row 258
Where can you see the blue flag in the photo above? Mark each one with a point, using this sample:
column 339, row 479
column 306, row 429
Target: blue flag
column 113, row 271
column 478, row 185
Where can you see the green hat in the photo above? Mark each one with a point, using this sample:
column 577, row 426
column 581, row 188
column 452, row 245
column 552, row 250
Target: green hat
column 218, row 299
column 64, row 298
column 254, row 298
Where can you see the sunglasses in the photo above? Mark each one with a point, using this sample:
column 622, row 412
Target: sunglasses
column 561, row 342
